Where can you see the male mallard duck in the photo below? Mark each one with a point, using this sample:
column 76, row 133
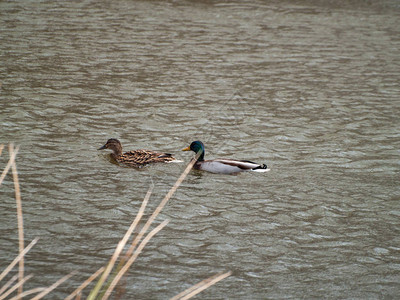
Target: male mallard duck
column 135, row 158
column 222, row 165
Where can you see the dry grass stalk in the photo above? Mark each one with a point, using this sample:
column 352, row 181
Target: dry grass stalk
column 202, row 285
column 19, row 217
column 128, row 256
column 53, row 286
column 8, row 283
column 20, row 258
column 120, row 247
column 85, row 284
column 16, row 286
column 156, row 212
column 17, row 259
column 27, row 293
column 123, row 268
column 160, row 207
column 9, row 164
column 132, row 259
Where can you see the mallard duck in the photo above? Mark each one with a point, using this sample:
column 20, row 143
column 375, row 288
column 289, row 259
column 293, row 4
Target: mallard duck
column 136, row 158
column 222, row 165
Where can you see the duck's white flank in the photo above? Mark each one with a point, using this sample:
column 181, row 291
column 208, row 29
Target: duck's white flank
column 227, row 166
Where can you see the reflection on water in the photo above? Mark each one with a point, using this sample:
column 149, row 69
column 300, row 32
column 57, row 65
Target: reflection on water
column 311, row 89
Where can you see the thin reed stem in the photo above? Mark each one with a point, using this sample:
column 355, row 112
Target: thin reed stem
column 16, row 286
column 17, row 259
column 10, row 162
column 128, row 254
column 133, row 258
column 53, row 286
column 120, row 247
column 8, row 283
column 145, row 228
column 130, row 257
column 85, row 283
column 159, row 208
column 28, row 292
column 201, row 286
column 19, row 217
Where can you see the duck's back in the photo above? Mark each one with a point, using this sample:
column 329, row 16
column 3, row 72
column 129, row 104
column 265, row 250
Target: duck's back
column 142, row 157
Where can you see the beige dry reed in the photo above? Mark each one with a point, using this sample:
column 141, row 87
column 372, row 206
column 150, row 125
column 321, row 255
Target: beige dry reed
column 126, row 260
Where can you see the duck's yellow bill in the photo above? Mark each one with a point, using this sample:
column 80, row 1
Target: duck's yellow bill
column 186, row 149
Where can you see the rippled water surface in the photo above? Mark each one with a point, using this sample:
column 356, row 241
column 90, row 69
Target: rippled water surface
column 310, row 88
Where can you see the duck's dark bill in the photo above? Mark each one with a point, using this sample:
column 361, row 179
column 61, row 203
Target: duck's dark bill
column 102, row 147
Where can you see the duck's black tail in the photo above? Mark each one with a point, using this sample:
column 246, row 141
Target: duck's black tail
column 261, row 168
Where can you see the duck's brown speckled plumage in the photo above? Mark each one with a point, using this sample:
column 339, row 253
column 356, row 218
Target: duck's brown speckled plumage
column 135, row 158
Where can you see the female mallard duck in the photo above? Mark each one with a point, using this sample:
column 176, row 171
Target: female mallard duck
column 222, row 165
column 135, row 158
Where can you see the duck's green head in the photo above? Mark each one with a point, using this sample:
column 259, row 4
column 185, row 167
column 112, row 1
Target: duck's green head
column 196, row 147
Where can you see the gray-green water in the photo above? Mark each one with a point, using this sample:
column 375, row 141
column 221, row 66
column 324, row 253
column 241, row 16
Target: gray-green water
column 309, row 87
